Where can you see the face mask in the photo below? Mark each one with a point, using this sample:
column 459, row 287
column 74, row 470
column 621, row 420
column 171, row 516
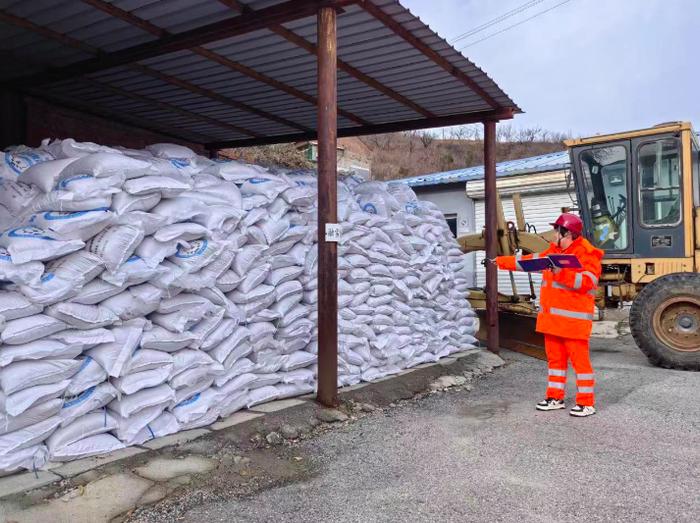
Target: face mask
column 560, row 236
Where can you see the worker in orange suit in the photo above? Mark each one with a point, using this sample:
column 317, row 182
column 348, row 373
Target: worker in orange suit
column 567, row 300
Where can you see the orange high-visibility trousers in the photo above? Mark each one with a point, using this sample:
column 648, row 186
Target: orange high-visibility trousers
column 559, row 352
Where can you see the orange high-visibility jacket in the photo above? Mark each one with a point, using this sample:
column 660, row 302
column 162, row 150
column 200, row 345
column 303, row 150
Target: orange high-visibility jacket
column 567, row 300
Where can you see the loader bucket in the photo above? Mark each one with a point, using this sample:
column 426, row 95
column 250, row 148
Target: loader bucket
column 517, row 333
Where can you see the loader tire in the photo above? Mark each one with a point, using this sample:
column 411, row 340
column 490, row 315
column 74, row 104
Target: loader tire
column 665, row 321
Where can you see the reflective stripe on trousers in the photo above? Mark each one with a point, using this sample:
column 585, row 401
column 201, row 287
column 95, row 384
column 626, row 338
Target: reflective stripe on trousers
column 588, row 387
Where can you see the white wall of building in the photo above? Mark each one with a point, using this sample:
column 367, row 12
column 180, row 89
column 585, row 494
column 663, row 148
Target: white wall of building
column 453, row 200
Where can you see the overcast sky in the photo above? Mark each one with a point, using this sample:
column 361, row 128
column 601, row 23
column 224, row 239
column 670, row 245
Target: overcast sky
column 587, row 66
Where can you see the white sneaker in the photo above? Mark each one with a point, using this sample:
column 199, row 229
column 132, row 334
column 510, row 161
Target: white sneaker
column 581, row 411
column 550, row 404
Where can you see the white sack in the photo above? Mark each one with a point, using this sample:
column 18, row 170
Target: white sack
column 105, row 164
column 113, row 357
column 14, row 305
column 129, row 405
column 79, row 225
column 31, row 416
column 27, row 244
column 165, row 185
column 21, row 273
column 97, row 291
column 163, row 339
column 15, row 162
column 45, row 175
column 24, row 374
column 38, row 349
column 27, row 436
column 87, row 338
column 133, row 271
column 17, row 403
column 97, row 445
column 83, row 427
column 116, row 244
column 163, row 425
column 90, row 374
column 80, row 316
column 92, row 399
column 30, row 328
column 136, row 381
column 123, row 202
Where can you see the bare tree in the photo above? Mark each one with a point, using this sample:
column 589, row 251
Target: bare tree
column 411, row 138
column 426, row 138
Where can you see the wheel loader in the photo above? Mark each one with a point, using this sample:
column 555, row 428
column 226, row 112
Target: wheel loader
column 638, row 194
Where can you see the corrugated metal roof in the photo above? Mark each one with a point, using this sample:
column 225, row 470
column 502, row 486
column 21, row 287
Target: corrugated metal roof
column 545, row 162
column 256, row 85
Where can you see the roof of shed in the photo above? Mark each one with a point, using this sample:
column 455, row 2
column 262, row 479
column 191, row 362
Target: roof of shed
column 542, row 163
column 228, row 73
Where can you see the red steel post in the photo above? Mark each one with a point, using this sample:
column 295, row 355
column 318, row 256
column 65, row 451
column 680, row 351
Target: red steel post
column 327, row 208
column 491, row 235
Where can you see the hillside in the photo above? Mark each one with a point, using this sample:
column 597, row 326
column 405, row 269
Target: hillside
column 401, row 155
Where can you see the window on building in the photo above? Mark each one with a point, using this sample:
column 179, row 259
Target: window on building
column 452, row 223
column 659, row 165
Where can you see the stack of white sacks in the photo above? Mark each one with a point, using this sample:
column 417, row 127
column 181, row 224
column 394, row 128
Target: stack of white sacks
column 150, row 291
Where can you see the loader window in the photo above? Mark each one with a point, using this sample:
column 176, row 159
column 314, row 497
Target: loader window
column 659, row 165
column 605, row 180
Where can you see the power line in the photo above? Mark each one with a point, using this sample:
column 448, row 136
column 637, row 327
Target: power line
column 514, row 25
column 498, row 19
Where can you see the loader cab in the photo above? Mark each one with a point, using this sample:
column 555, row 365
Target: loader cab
column 637, row 190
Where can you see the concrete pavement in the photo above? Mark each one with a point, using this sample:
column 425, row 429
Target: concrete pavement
column 487, row 455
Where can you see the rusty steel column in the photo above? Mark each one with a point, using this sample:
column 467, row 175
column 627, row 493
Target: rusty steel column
column 491, row 193
column 327, row 208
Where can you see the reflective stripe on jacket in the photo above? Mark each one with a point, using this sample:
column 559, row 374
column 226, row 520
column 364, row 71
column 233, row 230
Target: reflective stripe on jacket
column 567, row 300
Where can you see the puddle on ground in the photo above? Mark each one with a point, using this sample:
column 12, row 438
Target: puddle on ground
column 484, row 411
column 606, row 350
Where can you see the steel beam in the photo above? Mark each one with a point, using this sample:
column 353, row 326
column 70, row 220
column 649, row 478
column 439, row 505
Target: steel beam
column 238, row 25
column 147, row 26
column 193, row 88
column 406, row 125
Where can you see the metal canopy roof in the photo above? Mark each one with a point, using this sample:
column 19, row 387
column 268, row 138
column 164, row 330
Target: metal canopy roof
column 228, row 73
column 534, row 164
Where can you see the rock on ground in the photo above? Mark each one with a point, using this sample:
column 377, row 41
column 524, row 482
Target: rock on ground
column 274, row 438
column 331, row 415
column 445, row 382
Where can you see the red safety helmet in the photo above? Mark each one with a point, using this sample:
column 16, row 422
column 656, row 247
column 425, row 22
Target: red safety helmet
column 570, row 222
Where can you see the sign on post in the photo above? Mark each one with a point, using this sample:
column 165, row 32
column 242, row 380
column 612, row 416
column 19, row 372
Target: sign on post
column 333, row 232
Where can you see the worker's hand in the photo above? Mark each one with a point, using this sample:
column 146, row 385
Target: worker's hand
column 488, row 260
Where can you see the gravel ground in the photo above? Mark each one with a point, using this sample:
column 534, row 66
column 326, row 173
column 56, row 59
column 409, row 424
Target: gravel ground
column 487, row 455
